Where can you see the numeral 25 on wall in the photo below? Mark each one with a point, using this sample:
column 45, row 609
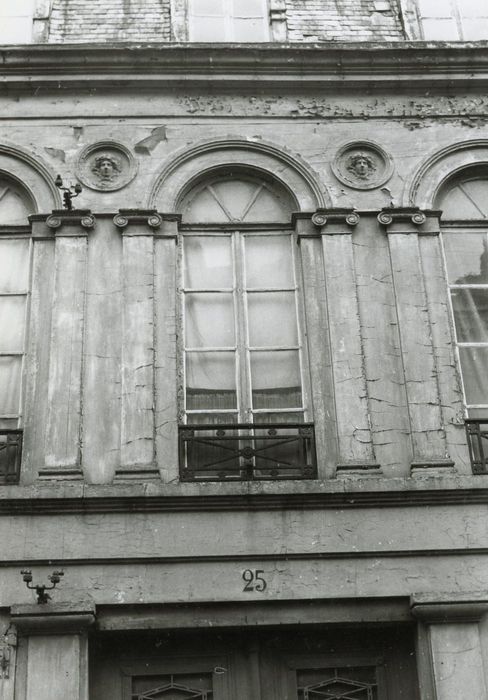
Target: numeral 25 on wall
column 254, row 580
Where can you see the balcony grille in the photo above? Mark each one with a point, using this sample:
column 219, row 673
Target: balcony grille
column 477, row 431
column 247, row 452
column 10, row 456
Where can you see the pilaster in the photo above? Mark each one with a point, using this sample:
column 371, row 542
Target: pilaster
column 55, row 649
column 137, row 452
column 316, row 324
column 453, row 643
column 356, row 453
column 404, row 226
column 165, row 367
column 63, row 432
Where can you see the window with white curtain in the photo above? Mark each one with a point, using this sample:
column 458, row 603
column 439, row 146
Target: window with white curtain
column 464, row 205
column 228, row 20
column 242, row 345
column 453, row 20
column 16, row 21
column 15, row 206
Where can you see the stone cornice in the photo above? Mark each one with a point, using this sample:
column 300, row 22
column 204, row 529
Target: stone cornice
column 53, row 618
column 130, row 499
column 361, row 63
column 449, row 607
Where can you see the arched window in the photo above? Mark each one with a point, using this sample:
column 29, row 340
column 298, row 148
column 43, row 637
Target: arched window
column 464, row 204
column 15, row 206
column 242, row 345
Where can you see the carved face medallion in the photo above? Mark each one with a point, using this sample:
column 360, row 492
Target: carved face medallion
column 106, row 166
column 362, row 165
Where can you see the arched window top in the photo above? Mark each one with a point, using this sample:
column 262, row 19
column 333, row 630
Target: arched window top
column 15, row 203
column 464, row 196
column 238, row 198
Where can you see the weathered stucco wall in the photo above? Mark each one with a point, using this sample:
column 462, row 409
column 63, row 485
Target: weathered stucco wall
column 402, row 431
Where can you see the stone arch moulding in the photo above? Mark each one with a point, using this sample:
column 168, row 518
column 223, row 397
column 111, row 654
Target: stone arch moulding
column 191, row 163
column 442, row 165
column 30, row 172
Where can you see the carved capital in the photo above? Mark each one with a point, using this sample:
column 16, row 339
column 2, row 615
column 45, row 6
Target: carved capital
column 76, row 222
column 127, row 218
column 335, row 221
column 409, row 220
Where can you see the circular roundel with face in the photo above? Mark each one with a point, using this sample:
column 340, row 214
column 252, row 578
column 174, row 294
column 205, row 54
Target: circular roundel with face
column 106, row 166
column 362, row 165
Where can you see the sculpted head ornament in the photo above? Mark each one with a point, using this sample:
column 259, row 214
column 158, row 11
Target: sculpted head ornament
column 106, row 167
column 361, row 165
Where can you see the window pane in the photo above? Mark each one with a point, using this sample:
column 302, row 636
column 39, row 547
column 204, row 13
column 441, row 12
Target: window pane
column 208, row 262
column 14, row 265
column 252, row 29
column 475, row 29
column 268, row 261
column 15, row 30
column 210, row 380
column 249, row 8
column 209, row 320
column 467, row 258
column 9, row 384
column 207, row 7
column 470, row 314
column 268, row 206
column 12, row 311
column 276, row 379
column 474, row 364
column 435, row 8
column 473, row 8
column 207, row 29
column 440, row 29
column 272, row 319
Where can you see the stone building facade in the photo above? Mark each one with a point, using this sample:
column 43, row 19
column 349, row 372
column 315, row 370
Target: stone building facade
column 243, row 400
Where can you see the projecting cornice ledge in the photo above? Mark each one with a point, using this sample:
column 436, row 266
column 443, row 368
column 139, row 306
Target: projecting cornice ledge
column 354, row 63
column 449, row 607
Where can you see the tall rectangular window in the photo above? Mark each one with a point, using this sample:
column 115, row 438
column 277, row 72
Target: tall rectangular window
column 228, row 20
column 454, row 20
column 244, row 400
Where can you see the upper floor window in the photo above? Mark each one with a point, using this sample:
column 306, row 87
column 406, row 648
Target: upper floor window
column 15, row 206
column 16, row 21
column 453, row 20
column 242, row 345
column 228, row 20
column 464, row 202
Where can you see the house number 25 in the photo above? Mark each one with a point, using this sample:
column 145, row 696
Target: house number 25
column 254, row 581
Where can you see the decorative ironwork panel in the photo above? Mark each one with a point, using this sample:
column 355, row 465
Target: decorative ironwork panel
column 247, row 452
column 337, row 684
column 173, row 687
column 477, row 431
column 10, row 456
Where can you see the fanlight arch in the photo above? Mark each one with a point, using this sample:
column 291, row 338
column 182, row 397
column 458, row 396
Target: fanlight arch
column 236, row 197
column 464, row 195
column 271, row 162
column 427, row 184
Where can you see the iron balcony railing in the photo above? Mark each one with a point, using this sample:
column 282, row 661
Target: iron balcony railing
column 477, row 431
column 10, row 456
column 243, row 451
